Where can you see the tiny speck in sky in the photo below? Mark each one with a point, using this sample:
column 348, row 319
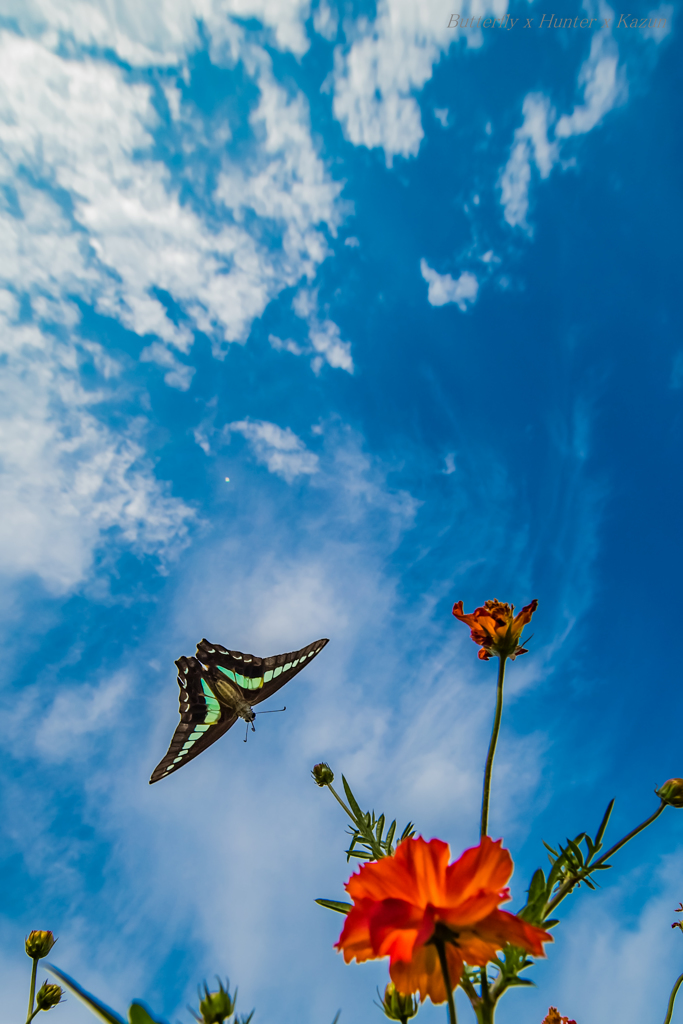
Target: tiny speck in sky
column 227, row 479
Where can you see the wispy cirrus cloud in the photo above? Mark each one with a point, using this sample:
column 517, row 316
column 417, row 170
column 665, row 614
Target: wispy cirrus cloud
column 280, row 450
column 70, row 482
column 91, row 218
column 604, row 86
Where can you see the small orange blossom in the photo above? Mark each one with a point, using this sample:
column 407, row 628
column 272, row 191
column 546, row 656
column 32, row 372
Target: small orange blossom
column 496, row 628
column 400, row 901
column 555, row 1018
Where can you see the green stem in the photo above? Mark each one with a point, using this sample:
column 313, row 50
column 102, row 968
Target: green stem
column 339, row 800
column 567, row 886
column 672, row 999
column 441, row 950
column 492, row 750
column 32, row 994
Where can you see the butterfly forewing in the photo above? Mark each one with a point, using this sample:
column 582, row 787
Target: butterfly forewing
column 202, row 719
column 257, row 678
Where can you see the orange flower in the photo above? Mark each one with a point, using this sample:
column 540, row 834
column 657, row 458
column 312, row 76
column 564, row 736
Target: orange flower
column 496, row 628
column 399, row 902
column 554, row 1018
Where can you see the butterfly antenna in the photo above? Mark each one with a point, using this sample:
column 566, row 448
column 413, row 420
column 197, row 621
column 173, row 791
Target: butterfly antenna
column 246, row 732
column 273, row 711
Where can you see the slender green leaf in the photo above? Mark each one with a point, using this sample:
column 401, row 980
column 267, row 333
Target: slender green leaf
column 97, row 1007
column 353, row 803
column 338, row 905
column 576, row 850
column 538, row 887
column 390, row 834
column 603, row 824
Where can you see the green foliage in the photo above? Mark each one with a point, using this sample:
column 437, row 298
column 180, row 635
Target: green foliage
column 570, row 865
column 367, row 833
column 368, row 841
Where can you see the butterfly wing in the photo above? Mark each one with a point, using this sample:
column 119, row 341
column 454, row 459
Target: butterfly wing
column 257, row 678
column 202, row 719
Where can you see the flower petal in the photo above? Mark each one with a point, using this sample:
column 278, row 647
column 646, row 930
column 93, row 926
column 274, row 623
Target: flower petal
column 423, row 973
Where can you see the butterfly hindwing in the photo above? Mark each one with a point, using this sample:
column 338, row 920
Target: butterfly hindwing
column 257, row 678
column 202, row 719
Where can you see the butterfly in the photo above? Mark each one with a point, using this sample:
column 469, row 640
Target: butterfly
column 220, row 686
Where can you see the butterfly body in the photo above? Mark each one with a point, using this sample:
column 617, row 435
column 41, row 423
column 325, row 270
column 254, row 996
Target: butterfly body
column 230, row 696
column 218, row 687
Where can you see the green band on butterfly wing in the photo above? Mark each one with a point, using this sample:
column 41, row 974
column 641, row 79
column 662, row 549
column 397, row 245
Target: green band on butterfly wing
column 246, row 682
column 213, row 708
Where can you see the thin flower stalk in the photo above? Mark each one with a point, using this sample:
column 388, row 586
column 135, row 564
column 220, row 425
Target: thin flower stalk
column 672, row 999
column 488, row 771
column 32, row 992
column 443, row 961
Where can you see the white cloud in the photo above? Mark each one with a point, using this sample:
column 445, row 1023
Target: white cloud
column 162, row 33
column 389, row 59
column 441, row 114
column 659, row 23
column 179, row 374
column 530, row 141
column 443, row 288
column 352, row 242
column 60, row 734
column 325, row 20
column 324, row 335
column 286, row 345
column 604, row 87
column 88, row 213
column 80, row 127
column 281, row 451
column 69, row 482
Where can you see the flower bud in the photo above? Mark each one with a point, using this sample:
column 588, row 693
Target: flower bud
column 671, row 792
column 48, row 996
column 322, row 774
column 396, row 1006
column 39, row 944
column 216, row 1006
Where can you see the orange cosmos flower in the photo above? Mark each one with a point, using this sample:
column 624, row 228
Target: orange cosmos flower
column 496, row 628
column 555, row 1018
column 401, row 902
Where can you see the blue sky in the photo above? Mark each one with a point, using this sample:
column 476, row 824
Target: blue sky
column 412, row 289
